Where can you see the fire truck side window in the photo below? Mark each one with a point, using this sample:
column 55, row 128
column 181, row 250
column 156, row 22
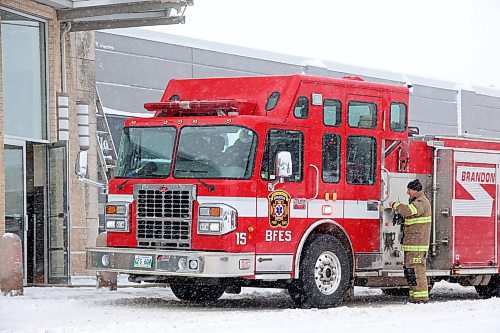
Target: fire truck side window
column 301, row 109
column 332, row 112
column 362, row 114
column 282, row 140
column 361, row 160
column 272, row 100
column 398, row 117
column 331, row 158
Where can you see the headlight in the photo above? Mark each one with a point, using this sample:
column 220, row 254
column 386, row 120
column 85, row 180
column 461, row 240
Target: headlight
column 216, row 219
column 117, row 219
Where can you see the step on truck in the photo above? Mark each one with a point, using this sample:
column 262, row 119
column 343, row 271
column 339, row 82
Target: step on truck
column 284, row 181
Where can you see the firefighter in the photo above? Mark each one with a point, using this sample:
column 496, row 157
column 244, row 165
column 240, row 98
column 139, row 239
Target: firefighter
column 416, row 235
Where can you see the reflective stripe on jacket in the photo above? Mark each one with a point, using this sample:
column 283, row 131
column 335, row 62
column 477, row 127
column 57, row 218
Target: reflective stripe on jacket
column 417, row 225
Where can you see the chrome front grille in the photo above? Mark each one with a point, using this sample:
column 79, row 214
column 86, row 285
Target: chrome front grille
column 164, row 215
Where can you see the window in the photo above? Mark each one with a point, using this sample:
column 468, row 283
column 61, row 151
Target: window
column 272, row 100
column 24, row 76
column 215, row 152
column 398, row 117
column 331, row 158
column 145, row 152
column 282, row 140
column 361, row 160
column 301, row 109
column 332, row 112
column 362, row 114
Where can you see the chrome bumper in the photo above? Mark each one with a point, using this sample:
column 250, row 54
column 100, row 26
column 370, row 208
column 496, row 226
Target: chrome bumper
column 171, row 262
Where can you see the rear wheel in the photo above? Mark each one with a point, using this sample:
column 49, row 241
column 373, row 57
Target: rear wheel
column 197, row 293
column 492, row 289
column 324, row 275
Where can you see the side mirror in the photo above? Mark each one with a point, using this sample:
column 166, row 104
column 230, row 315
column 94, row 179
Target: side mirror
column 81, row 164
column 283, row 164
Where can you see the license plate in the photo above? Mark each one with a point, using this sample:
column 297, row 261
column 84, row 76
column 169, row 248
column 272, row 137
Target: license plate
column 143, row 261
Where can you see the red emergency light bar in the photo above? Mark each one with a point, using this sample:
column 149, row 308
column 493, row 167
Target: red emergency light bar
column 229, row 107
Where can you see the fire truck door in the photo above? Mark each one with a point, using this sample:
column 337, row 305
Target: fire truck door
column 278, row 228
column 474, row 212
column 362, row 171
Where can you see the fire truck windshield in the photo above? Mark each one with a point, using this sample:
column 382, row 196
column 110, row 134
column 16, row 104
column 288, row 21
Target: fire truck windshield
column 215, row 152
column 145, row 152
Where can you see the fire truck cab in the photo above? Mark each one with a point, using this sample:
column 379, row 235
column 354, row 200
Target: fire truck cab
column 284, row 181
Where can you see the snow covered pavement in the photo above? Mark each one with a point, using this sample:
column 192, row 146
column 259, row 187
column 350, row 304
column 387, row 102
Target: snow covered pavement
column 55, row 309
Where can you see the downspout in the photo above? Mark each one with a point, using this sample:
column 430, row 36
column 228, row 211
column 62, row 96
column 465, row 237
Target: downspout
column 64, row 32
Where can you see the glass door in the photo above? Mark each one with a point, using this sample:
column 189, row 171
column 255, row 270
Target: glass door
column 15, row 193
column 58, row 262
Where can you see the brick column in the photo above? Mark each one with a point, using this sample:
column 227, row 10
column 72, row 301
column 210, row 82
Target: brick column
column 2, row 171
column 84, row 202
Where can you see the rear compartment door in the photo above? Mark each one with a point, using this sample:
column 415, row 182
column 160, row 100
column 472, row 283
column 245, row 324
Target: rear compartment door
column 474, row 210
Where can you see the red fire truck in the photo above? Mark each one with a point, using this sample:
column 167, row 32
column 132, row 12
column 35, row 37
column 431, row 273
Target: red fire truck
column 284, row 181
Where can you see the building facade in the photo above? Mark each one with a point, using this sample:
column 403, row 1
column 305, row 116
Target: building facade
column 47, row 116
column 43, row 203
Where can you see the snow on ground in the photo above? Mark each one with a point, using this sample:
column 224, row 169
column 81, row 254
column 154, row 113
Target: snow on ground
column 154, row 309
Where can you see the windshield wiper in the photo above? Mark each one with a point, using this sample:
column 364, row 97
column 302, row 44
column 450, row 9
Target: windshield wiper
column 120, row 186
column 210, row 188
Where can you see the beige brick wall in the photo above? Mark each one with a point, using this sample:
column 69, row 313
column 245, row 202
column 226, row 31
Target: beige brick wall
column 80, row 87
column 2, row 173
column 81, row 82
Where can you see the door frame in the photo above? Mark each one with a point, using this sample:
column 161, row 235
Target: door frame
column 22, row 144
column 48, row 276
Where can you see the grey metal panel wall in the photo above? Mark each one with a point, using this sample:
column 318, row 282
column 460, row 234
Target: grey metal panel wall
column 208, row 71
column 131, row 71
column 143, row 47
column 139, row 71
column 255, row 66
column 433, row 110
column 480, row 114
column 129, row 99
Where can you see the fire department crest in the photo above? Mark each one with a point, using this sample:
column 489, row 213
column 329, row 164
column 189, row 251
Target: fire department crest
column 279, row 209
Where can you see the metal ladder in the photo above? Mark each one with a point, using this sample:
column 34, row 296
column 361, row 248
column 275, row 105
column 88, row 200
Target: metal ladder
column 107, row 152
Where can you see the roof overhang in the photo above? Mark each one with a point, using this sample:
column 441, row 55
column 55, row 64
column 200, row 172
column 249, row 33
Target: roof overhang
column 110, row 14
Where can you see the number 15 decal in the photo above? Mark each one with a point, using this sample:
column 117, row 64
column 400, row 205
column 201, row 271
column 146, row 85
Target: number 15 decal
column 241, row 238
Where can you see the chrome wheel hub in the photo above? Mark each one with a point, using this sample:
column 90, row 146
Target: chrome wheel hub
column 327, row 272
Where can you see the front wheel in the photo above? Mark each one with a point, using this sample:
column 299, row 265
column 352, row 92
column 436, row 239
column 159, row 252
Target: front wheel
column 197, row 293
column 324, row 275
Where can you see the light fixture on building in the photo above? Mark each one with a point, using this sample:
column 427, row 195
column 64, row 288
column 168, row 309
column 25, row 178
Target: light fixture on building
column 82, row 112
column 63, row 117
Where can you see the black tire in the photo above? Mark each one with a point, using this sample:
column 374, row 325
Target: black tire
column 197, row 293
column 322, row 286
column 490, row 290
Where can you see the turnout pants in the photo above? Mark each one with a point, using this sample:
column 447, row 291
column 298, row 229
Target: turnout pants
column 414, row 270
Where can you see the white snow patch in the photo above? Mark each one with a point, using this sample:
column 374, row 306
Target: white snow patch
column 155, row 309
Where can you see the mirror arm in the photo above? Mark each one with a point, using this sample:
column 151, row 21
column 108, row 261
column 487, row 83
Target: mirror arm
column 271, row 186
column 91, row 182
